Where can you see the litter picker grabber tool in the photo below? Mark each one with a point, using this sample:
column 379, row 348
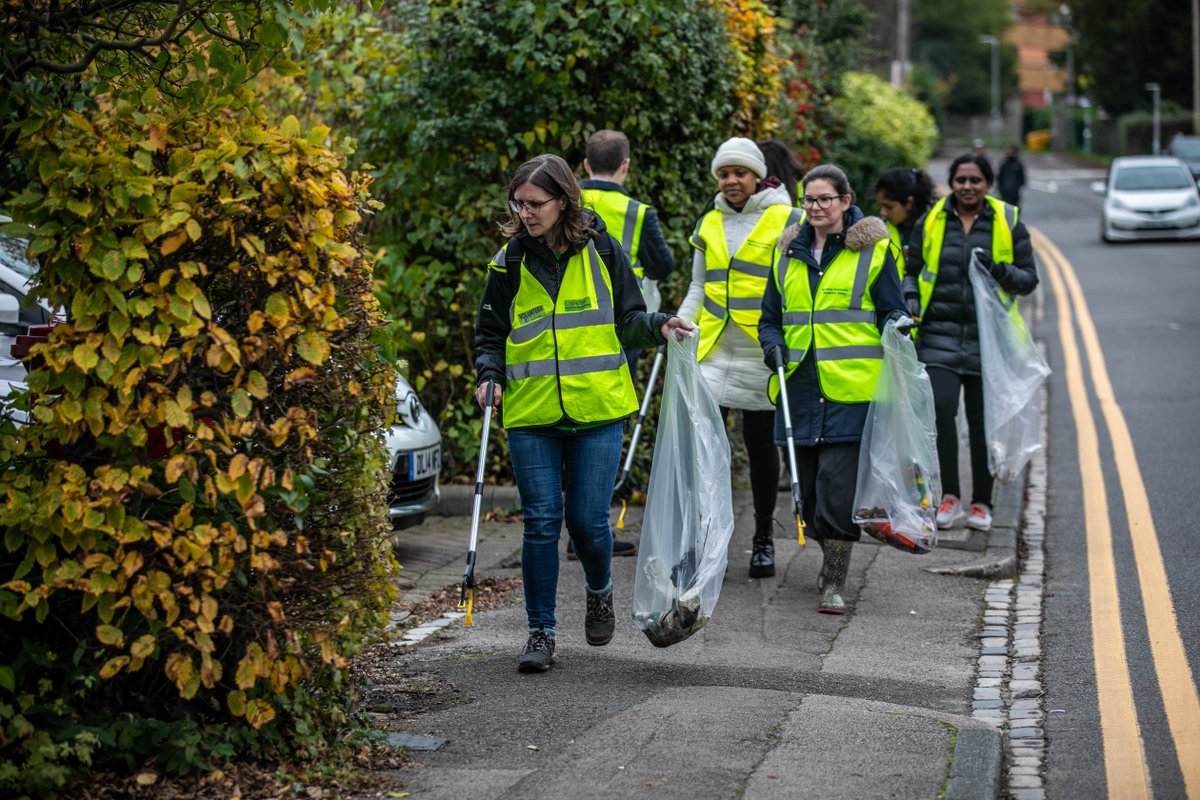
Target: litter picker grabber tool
column 467, row 596
column 791, row 446
column 637, row 431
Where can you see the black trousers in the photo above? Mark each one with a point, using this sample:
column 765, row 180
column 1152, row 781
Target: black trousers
column 828, row 474
column 758, row 432
column 946, row 386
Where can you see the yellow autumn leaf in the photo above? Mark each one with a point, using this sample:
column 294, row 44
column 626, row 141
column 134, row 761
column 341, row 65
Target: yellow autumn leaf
column 143, row 647
column 236, row 701
column 113, row 666
column 312, row 347
column 259, row 713
column 110, row 634
column 85, row 356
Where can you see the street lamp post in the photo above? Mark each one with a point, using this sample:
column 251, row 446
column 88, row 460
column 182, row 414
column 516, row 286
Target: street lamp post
column 997, row 120
column 1153, row 88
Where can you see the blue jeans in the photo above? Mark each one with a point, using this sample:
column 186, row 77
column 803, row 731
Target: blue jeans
column 564, row 474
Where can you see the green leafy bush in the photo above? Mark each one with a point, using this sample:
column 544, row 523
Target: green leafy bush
column 469, row 90
column 194, row 529
column 881, row 127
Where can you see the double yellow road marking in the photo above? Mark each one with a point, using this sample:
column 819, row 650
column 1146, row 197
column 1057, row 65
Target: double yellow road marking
column 1124, row 756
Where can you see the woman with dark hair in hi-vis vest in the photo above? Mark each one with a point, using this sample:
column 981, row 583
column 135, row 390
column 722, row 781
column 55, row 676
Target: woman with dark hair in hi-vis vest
column 561, row 301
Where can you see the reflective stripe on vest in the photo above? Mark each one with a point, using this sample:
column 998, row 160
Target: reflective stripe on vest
column 838, row 325
column 734, row 285
column 898, row 253
column 562, row 356
column 1004, row 219
column 623, row 216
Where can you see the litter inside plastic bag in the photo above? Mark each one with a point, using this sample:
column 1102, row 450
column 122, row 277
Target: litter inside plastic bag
column 1013, row 371
column 899, row 485
column 689, row 507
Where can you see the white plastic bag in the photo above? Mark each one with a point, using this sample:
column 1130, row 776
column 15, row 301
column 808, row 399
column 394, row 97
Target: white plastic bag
column 689, row 507
column 1013, row 371
column 651, row 295
column 899, row 484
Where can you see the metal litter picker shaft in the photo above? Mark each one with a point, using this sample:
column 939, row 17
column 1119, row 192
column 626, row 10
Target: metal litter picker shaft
column 797, row 502
column 641, row 417
column 467, row 596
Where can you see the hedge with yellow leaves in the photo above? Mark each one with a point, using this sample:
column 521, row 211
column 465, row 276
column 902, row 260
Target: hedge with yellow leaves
column 194, row 527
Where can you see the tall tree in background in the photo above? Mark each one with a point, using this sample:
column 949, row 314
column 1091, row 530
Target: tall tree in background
column 947, row 39
column 1123, row 44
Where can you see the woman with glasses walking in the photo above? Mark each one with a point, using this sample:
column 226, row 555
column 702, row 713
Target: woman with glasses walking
column 732, row 257
column 561, row 301
column 832, row 288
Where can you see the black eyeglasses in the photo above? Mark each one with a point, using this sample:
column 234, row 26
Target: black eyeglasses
column 532, row 206
column 822, row 202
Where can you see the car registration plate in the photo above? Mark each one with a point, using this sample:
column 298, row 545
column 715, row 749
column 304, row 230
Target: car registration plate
column 424, row 463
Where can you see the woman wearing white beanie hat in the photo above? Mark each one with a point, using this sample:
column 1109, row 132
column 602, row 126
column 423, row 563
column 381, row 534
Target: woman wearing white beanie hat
column 732, row 260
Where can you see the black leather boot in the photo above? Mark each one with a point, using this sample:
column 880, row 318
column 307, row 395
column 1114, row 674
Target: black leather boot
column 835, row 568
column 762, row 558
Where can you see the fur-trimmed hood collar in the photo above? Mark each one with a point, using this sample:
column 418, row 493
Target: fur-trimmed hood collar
column 860, row 233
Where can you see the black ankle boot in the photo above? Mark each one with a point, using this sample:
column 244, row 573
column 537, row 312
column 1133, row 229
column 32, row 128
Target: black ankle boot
column 762, row 558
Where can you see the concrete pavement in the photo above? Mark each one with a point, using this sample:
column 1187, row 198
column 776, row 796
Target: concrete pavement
column 770, row 700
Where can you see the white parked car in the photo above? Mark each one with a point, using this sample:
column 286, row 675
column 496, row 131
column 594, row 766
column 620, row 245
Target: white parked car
column 1149, row 197
column 414, row 442
column 415, row 445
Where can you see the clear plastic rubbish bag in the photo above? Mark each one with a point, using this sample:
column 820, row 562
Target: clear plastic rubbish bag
column 899, row 485
column 1013, row 371
column 689, row 507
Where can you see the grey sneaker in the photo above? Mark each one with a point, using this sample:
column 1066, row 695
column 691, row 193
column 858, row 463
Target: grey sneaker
column 600, row 622
column 538, row 654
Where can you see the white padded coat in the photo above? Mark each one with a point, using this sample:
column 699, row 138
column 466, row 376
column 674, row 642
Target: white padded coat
column 734, row 367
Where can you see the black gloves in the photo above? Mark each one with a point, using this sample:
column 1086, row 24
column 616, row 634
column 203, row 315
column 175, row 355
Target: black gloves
column 904, row 324
column 776, row 358
column 996, row 270
column 914, row 306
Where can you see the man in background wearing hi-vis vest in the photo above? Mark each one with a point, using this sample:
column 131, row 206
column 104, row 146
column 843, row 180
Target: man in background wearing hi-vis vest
column 635, row 226
column 632, row 223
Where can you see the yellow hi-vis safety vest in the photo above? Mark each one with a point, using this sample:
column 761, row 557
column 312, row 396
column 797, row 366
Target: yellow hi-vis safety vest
column 1004, row 219
column 623, row 217
column 734, row 286
column 562, row 356
column 898, row 253
column 838, row 324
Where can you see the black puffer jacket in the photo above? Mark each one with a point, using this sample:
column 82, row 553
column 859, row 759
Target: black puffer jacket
column 948, row 333
column 635, row 327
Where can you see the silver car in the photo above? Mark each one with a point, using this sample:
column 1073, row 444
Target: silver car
column 1149, row 197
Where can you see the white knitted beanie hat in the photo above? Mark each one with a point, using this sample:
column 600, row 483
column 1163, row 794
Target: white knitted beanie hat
column 740, row 152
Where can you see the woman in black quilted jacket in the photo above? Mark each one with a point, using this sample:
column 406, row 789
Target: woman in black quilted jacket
column 937, row 290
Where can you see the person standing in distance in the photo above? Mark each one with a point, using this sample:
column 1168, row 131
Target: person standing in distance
column 939, row 295
column 560, row 303
column 732, row 259
column 1011, row 177
column 833, row 287
column 635, row 225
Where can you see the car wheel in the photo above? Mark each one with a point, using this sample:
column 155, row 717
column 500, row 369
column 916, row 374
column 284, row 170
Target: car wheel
column 1104, row 231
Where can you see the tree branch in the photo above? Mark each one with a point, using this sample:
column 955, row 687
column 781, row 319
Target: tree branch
column 182, row 7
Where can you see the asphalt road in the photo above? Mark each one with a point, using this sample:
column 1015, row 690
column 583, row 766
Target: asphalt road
column 1142, row 299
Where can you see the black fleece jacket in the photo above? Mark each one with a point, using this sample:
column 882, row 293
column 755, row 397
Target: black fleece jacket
column 948, row 334
column 635, row 327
